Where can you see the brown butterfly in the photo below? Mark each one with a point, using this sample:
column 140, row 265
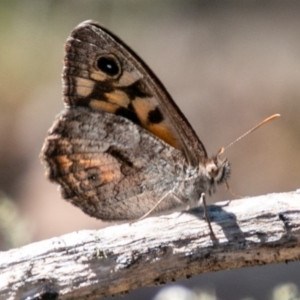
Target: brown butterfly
column 121, row 148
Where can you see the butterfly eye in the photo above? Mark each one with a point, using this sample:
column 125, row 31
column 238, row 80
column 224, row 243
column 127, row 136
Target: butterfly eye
column 109, row 65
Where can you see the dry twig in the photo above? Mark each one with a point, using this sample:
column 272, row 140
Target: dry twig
column 98, row 263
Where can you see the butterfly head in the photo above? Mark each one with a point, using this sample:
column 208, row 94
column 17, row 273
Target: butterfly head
column 216, row 170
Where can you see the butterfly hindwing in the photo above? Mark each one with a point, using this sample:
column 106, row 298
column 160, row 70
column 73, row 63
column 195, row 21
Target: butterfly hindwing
column 100, row 160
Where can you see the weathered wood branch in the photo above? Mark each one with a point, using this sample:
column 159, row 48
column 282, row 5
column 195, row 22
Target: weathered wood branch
column 94, row 263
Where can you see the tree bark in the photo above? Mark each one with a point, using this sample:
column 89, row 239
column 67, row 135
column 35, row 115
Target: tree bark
column 91, row 264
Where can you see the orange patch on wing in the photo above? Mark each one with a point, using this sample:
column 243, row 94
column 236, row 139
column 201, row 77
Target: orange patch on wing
column 118, row 97
column 109, row 175
column 98, row 76
column 84, row 87
column 64, row 161
column 163, row 132
column 105, row 165
column 103, row 105
column 128, row 78
column 142, row 106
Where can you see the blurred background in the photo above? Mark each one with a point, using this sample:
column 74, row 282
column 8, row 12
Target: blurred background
column 228, row 65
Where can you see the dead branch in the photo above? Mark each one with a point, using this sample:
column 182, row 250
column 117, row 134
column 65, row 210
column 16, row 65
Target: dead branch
column 96, row 263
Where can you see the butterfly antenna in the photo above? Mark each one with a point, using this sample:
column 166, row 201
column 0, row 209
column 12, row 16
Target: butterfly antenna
column 249, row 131
column 221, row 151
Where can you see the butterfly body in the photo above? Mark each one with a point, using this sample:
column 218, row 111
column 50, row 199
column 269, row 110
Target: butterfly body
column 121, row 144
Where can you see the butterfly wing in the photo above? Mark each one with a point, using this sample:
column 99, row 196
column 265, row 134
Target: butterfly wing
column 108, row 166
column 102, row 73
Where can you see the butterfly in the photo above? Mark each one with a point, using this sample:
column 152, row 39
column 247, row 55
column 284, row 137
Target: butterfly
column 121, row 147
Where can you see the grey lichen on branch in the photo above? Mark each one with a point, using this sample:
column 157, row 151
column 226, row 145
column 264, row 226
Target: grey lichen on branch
column 91, row 264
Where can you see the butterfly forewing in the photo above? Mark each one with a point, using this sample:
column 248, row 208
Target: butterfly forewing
column 103, row 73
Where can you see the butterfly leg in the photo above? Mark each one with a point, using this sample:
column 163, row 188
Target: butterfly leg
column 231, row 192
column 153, row 208
column 202, row 201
